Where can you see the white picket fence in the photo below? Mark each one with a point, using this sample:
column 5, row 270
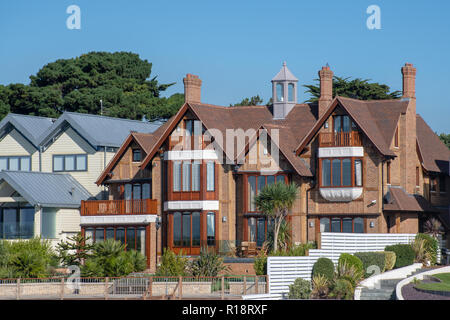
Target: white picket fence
column 283, row 271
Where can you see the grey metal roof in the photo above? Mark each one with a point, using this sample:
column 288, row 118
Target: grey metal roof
column 284, row 74
column 47, row 189
column 99, row 130
column 31, row 127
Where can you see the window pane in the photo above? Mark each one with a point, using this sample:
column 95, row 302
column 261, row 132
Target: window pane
column 10, row 225
column 261, row 232
column 347, row 225
column 252, row 229
column 120, row 235
column 131, row 233
column 196, row 176
column 210, row 176
column 25, row 164
column 291, row 92
column 325, row 225
column 3, row 164
column 109, row 233
column 261, row 183
column 211, row 228
column 197, row 128
column 186, row 176
column 270, row 179
column 127, row 197
column 81, row 162
column 177, row 229
column 89, row 235
column 48, row 227
column 146, row 191
column 280, row 92
column 196, row 228
column 281, row 179
column 176, row 176
column 326, row 172
column 14, row 164
column 140, row 240
column 346, row 172
column 358, row 225
column 136, row 191
column 337, row 124
column 358, row 173
column 186, row 229
column 336, row 172
column 58, row 164
column 336, row 225
column 136, row 155
column 251, row 192
column 99, row 234
column 346, row 124
column 188, row 127
column 69, row 163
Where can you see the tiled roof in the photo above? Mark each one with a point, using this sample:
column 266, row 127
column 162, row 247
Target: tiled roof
column 398, row 200
column 435, row 154
column 47, row 189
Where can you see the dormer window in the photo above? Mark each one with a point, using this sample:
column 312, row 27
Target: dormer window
column 280, row 92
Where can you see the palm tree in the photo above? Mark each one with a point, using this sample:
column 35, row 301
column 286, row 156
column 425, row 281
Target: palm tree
column 433, row 227
column 275, row 200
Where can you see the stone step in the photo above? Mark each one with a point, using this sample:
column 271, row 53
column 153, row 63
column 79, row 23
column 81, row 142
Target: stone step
column 374, row 291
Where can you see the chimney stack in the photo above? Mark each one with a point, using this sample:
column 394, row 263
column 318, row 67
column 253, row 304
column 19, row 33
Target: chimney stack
column 326, row 88
column 192, row 88
column 409, row 81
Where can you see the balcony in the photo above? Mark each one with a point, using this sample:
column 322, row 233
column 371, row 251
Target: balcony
column 340, row 139
column 118, row 207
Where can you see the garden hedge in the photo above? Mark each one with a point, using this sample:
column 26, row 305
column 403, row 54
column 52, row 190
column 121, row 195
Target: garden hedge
column 325, row 267
column 351, row 260
column 371, row 259
column 404, row 253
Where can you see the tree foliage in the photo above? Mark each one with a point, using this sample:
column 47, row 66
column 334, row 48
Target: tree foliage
column 75, row 250
column 121, row 80
column 252, row 101
column 357, row 88
column 445, row 138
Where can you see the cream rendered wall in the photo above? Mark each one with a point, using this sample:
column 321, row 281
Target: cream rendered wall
column 14, row 144
column 70, row 142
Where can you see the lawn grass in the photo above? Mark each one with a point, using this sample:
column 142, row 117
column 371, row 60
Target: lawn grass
column 444, row 285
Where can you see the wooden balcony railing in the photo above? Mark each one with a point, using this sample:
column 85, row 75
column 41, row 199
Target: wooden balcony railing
column 340, row 139
column 118, row 207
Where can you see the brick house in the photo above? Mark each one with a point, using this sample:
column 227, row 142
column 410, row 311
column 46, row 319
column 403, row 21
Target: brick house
column 360, row 166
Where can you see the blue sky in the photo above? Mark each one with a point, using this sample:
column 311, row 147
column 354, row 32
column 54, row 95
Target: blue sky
column 236, row 47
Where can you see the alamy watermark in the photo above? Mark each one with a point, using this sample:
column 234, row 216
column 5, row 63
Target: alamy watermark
column 374, row 20
column 74, row 20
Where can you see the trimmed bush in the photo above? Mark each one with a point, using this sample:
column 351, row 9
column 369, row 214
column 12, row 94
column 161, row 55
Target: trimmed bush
column 390, row 260
column 431, row 245
column 325, row 267
column 300, row 289
column 370, row 259
column 404, row 253
column 351, row 261
column 342, row 289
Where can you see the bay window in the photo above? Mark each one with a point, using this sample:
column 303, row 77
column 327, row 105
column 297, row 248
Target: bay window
column 337, row 172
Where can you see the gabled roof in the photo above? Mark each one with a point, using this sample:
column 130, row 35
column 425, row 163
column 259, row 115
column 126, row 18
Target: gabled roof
column 31, row 127
column 377, row 119
column 398, row 200
column 433, row 151
column 47, row 189
column 99, row 130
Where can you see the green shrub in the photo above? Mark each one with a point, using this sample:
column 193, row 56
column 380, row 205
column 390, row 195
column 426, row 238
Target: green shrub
column 350, row 273
column 207, row 264
column 371, row 259
column 325, row 267
column 404, row 254
column 342, row 289
column 172, row 265
column 351, row 260
column 390, row 260
column 300, row 289
column 431, row 246
column 260, row 264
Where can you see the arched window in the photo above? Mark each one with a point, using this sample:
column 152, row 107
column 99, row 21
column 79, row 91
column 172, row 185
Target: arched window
column 291, row 92
column 280, row 92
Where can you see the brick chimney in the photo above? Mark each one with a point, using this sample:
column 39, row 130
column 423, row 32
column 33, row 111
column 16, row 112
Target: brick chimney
column 408, row 153
column 326, row 88
column 409, row 81
column 192, row 88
